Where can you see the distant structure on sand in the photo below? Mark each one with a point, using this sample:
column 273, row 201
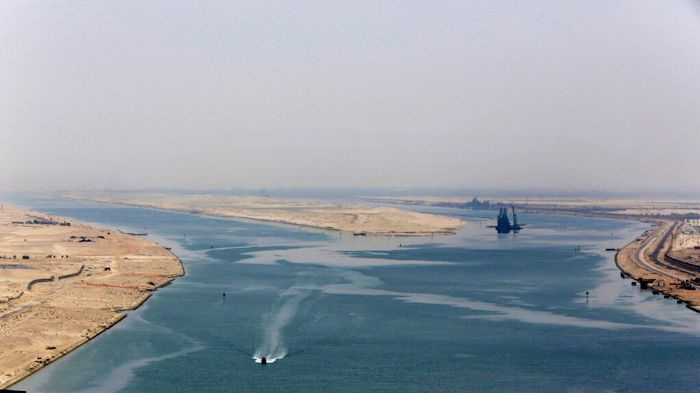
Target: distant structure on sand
column 475, row 204
column 503, row 223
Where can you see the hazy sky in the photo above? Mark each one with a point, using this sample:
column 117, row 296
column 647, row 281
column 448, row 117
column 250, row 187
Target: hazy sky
column 589, row 94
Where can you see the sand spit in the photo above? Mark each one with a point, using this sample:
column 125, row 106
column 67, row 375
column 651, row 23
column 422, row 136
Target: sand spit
column 61, row 285
column 349, row 218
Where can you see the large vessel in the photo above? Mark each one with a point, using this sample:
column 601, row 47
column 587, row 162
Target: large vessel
column 503, row 223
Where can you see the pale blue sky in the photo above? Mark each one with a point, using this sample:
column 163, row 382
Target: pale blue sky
column 477, row 94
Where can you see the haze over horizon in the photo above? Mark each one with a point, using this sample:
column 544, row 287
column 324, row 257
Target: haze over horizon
column 466, row 94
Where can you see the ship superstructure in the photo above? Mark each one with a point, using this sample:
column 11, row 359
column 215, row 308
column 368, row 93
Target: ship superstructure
column 503, row 223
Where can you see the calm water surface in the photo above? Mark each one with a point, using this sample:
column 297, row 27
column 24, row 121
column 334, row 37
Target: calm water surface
column 476, row 311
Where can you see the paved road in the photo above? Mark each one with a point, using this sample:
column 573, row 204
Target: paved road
column 639, row 253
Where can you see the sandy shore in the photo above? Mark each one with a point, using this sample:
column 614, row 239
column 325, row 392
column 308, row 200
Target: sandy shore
column 86, row 276
column 350, row 218
column 644, row 259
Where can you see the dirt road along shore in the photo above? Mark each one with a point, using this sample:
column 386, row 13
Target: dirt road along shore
column 62, row 283
column 644, row 260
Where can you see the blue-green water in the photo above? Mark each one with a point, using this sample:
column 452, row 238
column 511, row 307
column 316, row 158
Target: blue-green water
column 476, row 311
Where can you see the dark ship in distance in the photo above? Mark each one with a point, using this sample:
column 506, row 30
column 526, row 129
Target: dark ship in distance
column 503, row 223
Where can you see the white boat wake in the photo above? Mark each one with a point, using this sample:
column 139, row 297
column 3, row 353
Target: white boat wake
column 283, row 312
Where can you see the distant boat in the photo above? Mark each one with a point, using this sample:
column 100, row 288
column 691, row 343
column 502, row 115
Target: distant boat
column 360, row 234
column 263, row 361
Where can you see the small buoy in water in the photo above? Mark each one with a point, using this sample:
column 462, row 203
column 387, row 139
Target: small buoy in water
column 224, row 295
column 263, row 361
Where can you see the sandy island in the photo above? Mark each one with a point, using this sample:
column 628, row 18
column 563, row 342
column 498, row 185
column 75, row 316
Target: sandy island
column 350, row 218
column 62, row 283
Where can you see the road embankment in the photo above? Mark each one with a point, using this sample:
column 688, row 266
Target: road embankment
column 644, row 260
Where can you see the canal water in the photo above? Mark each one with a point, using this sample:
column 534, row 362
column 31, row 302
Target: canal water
column 477, row 311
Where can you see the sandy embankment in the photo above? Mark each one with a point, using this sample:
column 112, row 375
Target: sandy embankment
column 350, row 218
column 40, row 324
column 628, row 259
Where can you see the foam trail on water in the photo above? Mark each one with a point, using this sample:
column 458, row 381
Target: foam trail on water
column 121, row 376
column 283, row 312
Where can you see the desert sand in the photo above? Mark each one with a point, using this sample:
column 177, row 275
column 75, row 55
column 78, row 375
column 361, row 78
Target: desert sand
column 86, row 276
column 350, row 218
